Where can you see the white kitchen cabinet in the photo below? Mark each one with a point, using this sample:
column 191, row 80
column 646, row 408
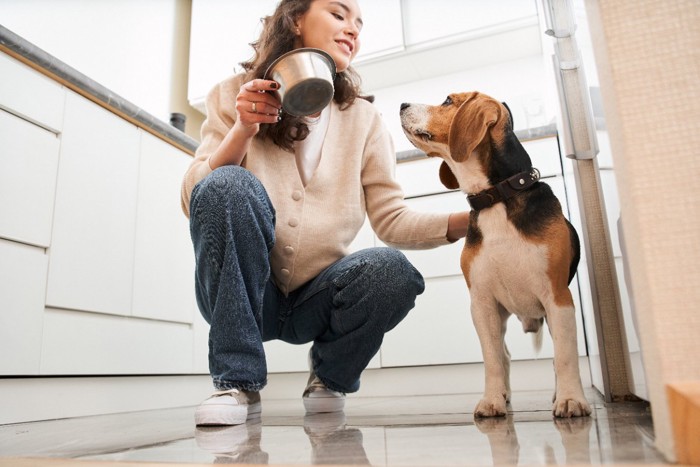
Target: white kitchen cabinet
column 440, row 19
column 77, row 343
column 163, row 258
column 28, row 168
column 438, row 330
column 92, row 248
column 22, row 286
column 31, row 95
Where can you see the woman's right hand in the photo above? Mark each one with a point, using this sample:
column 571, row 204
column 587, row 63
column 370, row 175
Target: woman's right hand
column 255, row 106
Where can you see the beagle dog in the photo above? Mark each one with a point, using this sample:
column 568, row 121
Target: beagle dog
column 520, row 252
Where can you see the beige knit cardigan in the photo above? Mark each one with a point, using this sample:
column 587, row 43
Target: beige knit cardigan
column 316, row 223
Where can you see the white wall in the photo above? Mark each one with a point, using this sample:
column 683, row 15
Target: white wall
column 127, row 46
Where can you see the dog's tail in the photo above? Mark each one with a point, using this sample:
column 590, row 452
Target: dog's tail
column 534, row 326
column 537, row 337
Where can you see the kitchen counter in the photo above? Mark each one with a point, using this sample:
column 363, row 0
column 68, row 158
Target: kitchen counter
column 26, row 52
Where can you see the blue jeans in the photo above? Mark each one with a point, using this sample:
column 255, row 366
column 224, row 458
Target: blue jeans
column 345, row 310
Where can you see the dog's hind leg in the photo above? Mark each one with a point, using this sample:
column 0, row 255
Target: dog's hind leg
column 569, row 400
column 490, row 322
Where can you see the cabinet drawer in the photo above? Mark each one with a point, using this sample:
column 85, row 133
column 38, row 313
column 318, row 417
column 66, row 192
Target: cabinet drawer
column 437, row 331
column 22, row 288
column 28, row 167
column 420, row 177
column 78, row 343
column 31, row 95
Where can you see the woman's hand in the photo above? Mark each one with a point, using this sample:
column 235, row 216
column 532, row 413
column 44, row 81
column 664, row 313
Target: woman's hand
column 457, row 225
column 255, row 106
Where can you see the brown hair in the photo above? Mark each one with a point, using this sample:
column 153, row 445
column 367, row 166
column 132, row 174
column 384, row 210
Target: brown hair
column 277, row 38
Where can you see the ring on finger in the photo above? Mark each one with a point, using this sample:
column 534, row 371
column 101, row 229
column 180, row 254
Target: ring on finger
column 255, row 107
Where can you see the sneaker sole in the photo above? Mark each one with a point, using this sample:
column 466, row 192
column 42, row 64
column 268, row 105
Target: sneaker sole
column 217, row 415
column 323, row 404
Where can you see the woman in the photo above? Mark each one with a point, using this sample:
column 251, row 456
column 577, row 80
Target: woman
column 275, row 200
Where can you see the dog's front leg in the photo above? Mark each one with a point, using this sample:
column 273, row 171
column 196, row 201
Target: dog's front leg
column 569, row 400
column 490, row 325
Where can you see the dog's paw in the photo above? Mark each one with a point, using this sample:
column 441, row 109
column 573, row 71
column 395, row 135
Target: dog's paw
column 571, row 407
column 490, row 407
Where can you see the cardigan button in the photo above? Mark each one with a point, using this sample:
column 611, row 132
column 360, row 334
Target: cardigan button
column 285, row 272
column 289, row 250
column 293, row 222
column 296, row 196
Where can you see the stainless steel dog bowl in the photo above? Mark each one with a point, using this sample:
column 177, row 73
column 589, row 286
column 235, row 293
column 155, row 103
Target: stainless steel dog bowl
column 306, row 79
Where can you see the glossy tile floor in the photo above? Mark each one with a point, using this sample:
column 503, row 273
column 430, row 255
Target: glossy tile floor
column 415, row 431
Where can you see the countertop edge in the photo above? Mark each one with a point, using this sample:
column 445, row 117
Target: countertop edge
column 33, row 56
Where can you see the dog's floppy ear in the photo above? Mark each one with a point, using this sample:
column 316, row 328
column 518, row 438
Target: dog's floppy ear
column 470, row 126
column 447, row 177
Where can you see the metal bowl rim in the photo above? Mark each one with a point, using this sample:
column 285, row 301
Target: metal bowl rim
column 329, row 60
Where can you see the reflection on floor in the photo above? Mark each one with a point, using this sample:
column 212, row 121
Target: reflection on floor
column 417, row 431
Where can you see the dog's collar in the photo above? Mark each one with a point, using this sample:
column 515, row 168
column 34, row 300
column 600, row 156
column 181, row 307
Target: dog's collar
column 503, row 190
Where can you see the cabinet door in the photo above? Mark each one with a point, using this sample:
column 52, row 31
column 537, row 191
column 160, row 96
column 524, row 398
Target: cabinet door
column 77, row 343
column 164, row 258
column 22, row 287
column 92, row 248
column 28, row 167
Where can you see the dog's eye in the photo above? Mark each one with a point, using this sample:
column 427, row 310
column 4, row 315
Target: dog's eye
column 448, row 101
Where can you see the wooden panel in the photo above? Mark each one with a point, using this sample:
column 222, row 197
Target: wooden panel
column 164, row 258
column 28, row 168
column 22, row 288
column 684, row 405
column 39, row 99
column 92, row 250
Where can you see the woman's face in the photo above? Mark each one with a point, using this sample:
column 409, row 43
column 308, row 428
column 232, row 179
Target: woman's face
column 334, row 27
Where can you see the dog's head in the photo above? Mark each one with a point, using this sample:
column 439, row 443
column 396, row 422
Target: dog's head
column 454, row 130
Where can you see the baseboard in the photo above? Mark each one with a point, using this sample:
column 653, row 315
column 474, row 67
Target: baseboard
column 33, row 399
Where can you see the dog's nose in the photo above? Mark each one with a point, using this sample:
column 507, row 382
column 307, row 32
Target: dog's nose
column 405, row 106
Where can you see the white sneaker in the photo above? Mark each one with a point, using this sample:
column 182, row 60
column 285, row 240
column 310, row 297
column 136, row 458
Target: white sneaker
column 231, row 407
column 319, row 399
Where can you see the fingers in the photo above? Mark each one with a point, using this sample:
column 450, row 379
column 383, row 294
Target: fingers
column 256, row 104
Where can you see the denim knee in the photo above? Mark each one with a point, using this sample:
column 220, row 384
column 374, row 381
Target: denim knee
column 401, row 278
column 229, row 194
column 225, row 188
column 396, row 272
column 388, row 281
